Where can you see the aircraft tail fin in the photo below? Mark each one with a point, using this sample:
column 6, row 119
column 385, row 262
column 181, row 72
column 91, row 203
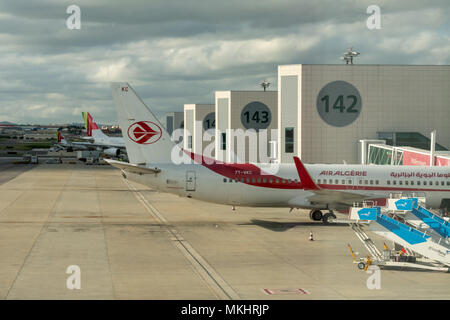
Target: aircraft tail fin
column 146, row 139
column 92, row 129
column 307, row 182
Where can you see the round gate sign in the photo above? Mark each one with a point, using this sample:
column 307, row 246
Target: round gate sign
column 339, row 103
column 209, row 122
column 256, row 115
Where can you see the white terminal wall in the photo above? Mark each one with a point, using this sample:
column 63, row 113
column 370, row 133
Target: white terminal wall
column 394, row 98
column 194, row 126
column 228, row 107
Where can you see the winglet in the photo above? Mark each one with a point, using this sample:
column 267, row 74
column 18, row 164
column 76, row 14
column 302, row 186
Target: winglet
column 305, row 178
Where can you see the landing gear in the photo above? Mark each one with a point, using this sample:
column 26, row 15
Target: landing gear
column 315, row 215
column 328, row 215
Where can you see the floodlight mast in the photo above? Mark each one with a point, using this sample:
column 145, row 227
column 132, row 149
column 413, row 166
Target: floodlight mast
column 349, row 55
column 265, row 84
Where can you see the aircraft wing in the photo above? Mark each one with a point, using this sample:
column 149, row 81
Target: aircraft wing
column 134, row 168
column 326, row 196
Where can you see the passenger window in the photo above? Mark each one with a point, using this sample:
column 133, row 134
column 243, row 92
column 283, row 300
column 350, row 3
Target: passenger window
column 242, row 180
column 264, row 180
column 318, row 181
column 406, row 183
column 236, row 180
column 448, row 183
column 259, row 180
column 366, row 181
column 224, row 179
column 349, row 181
column 418, row 183
column 400, row 182
column 394, row 182
column 270, row 181
column 336, row 181
column 371, row 181
column 377, row 182
column 248, row 180
column 412, row 183
column 360, row 181
column 442, row 183
column 389, row 182
column 343, row 181
column 424, row 183
column 253, row 180
column 230, row 180
column 277, row 181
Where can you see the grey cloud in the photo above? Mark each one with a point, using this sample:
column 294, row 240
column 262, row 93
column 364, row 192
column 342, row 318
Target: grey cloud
column 176, row 52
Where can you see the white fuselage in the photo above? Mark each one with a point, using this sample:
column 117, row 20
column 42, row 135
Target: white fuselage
column 245, row 185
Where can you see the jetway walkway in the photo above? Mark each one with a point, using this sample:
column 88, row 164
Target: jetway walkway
column 418, row 230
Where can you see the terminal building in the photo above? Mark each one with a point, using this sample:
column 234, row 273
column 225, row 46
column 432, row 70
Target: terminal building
column 325, row 110
column 174, row 121
column 254, row 113
column 199, row 120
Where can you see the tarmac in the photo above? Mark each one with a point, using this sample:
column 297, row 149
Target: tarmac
column 131, row 242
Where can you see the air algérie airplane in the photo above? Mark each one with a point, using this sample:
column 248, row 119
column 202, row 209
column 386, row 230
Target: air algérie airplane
column 317, row 187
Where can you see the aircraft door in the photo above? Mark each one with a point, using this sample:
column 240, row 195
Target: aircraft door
column 190, row 180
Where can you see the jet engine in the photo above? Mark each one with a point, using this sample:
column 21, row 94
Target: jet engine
column 112, row 152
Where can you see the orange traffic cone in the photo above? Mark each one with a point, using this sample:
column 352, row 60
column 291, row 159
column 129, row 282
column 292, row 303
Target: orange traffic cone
column 311, row 236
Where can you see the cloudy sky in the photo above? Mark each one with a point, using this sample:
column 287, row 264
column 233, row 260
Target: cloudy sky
column 181, row 51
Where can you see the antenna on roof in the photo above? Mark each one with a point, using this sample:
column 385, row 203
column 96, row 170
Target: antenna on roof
column 265, row 84
column 349, row 55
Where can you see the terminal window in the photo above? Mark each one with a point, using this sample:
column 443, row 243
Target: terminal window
column 289, row 140
column 224, row 141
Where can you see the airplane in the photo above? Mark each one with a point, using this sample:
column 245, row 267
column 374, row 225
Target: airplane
column 112, row 146
column 317, row 187
column 63, row 143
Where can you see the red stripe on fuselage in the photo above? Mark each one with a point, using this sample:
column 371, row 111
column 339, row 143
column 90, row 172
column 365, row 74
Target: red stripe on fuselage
column 247, row 170
column 238, row 171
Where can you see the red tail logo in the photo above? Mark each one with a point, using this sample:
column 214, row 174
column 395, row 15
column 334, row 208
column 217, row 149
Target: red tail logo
column 91, row 125
column 144, row 132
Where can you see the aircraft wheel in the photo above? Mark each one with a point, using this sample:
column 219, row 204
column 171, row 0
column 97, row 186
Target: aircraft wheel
column 315, row 215
column 328, row 215
column 361, row 265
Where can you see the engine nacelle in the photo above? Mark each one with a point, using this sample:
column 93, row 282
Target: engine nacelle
column 112, row 152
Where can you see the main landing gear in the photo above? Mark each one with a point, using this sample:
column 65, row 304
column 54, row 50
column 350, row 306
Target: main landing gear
column 317, row 215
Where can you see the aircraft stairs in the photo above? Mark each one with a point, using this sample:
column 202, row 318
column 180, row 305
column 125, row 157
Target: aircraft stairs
column 432, row 247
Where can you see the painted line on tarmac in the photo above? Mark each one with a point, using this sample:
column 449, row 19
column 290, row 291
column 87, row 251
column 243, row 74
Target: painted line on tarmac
column 221, row 289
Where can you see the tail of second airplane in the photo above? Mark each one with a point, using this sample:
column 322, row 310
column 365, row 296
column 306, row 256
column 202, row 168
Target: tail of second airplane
column 92, row 128
column 145, row 137
column 60, row 138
